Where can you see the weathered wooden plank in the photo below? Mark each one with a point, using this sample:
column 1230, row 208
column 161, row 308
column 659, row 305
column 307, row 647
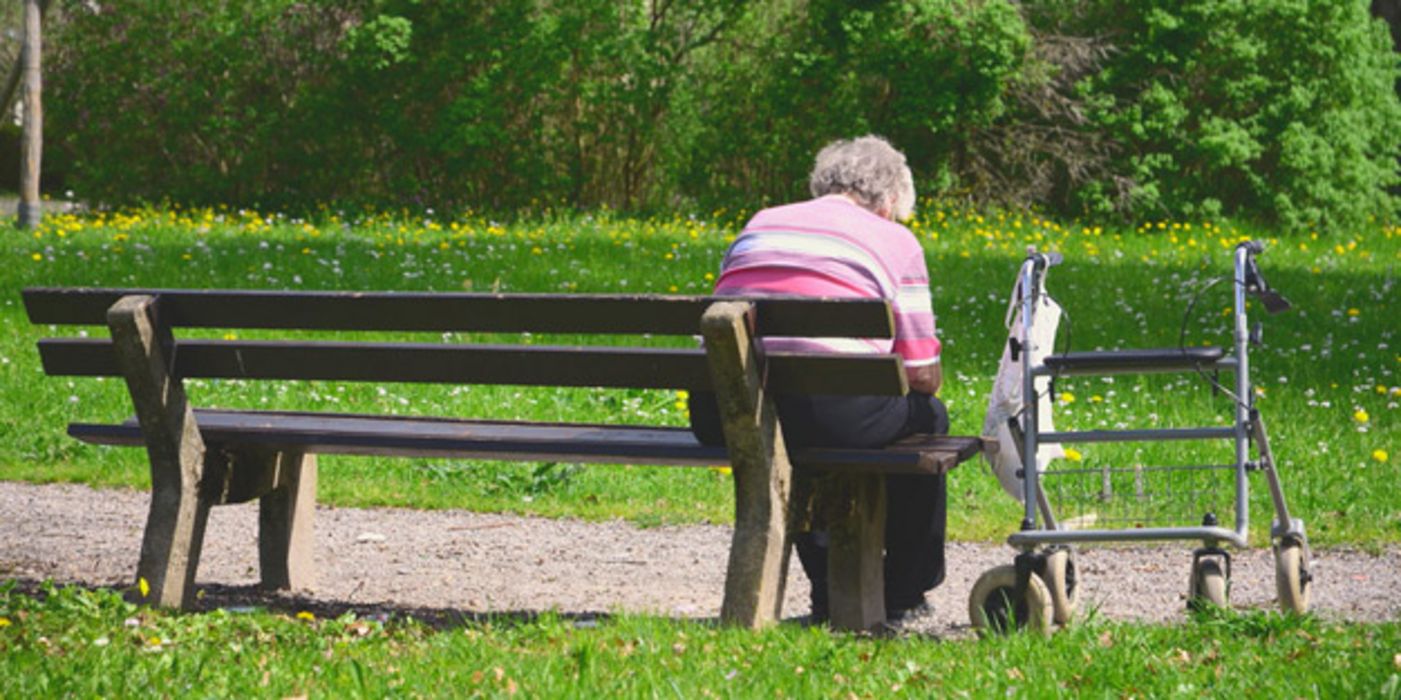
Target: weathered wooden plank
column 429, row 437
column 763, row 477
column 170, row 547
column 402, row 436
column 461, row 312
column 918, row 454
column 526, row 365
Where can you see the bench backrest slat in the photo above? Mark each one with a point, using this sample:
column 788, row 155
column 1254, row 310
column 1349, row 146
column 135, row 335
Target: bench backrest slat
column 526, row 365
column 459, row 312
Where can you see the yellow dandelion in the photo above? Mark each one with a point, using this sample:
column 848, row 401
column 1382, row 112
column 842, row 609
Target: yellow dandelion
column 1360, row 415
column 1096, row 399
column 4, row 622
column 722, row 471
column 1354, row 312
column 1073, row 454
column 305, row 615
column 1067, row 397
column 682, row 394
column 230, row 336
column 37, row 257
column 1380, row 455
column 144, row 587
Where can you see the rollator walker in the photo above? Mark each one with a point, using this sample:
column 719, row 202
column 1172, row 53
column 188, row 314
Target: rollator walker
column 1040, row 587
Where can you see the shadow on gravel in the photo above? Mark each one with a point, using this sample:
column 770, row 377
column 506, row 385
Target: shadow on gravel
column 249, row 598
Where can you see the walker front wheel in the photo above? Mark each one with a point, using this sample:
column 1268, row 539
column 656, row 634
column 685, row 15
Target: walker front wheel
column 1061, row 583
column 992, row 606
column 1292, row 578
column 1207, row 586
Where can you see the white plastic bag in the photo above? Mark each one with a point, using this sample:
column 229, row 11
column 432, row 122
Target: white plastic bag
column 1006, row 398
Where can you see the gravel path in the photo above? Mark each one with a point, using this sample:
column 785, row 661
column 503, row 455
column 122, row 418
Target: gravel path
column 458, row 563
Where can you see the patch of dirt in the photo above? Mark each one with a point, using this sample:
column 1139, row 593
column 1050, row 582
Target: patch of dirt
column 446, row 566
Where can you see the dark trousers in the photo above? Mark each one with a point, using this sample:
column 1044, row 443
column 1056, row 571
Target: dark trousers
column 916, row 504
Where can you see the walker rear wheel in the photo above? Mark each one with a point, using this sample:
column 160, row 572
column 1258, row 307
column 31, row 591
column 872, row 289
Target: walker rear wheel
column 992, row 608
column 1061, row 583
column 1292, row 578
column 1207, row 586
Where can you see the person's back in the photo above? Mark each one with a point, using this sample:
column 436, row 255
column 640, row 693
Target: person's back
column 832, row 247
column 846, row 243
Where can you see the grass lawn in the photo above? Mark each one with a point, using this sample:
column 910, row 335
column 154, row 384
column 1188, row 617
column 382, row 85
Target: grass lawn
column 1327, row 385
column 75, row 643
column 1327, row 376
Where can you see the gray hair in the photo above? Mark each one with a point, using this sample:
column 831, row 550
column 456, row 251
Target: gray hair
column 869, row 170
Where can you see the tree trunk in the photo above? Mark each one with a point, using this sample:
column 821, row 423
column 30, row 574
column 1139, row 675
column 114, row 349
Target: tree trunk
column 32, row 134
column 1390, row 12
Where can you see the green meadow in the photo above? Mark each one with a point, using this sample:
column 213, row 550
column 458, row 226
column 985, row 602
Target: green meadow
column 1326, row 376
column 1326, row 383
column 75, row 643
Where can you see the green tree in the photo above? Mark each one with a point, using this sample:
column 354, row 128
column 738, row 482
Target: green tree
column 1280, row 109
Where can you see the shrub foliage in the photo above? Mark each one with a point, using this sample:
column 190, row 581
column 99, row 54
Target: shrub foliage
column 1282, row 110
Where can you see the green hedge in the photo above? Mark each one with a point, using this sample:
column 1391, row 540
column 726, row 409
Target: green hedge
column 1275, row 108
column 1280, row 110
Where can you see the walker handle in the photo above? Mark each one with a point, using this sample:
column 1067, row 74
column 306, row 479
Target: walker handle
column 1044, row 260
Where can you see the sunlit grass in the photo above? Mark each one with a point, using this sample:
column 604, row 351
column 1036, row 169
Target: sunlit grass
column 75, row 643
column 1326, row 377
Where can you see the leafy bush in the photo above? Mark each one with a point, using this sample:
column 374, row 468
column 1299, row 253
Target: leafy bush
column 1279, row 109
column 921, row 73
column 185, row 101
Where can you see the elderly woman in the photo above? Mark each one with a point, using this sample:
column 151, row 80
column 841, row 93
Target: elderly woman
column 847, row 242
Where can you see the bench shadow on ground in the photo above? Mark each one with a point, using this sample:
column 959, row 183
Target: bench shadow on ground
column 252, row 598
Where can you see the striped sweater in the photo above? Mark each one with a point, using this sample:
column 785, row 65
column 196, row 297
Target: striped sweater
column 832, row 247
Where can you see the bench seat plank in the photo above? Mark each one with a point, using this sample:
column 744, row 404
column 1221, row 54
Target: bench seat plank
column 351, row 434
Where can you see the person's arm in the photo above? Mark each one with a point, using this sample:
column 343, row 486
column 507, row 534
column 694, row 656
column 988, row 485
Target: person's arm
column 926, row 379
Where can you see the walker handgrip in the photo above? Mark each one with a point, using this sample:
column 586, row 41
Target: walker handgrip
column 1254, row 247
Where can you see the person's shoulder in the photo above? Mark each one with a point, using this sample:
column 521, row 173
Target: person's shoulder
column 791, row 209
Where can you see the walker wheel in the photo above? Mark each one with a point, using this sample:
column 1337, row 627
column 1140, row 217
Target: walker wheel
column 1207, row 586
column 1292, row 578
column 992, row 609
column 1061, row 583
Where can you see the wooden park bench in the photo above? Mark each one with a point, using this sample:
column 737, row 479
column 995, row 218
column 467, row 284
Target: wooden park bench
column 207, row 457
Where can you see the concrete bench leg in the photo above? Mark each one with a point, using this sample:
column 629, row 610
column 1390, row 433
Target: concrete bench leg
column 855, row 561
column 758, row 565
column 175, row 525
column 171, row 545
column 285, row 517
